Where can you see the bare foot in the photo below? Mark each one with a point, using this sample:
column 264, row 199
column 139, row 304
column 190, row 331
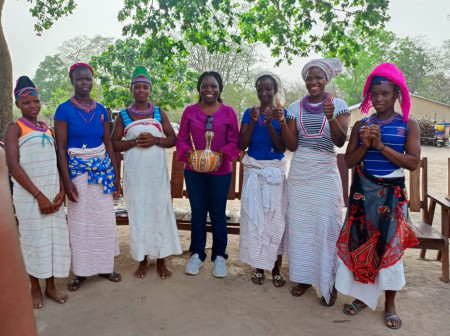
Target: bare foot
column 162, row 270
column 36, row 297
column 142, row 269
column 55, row 295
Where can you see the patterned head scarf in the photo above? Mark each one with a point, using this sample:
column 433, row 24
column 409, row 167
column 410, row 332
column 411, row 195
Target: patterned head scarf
column 394, row 76
column 141, row 75
column 76, row 65
column 280, row 88
column 331, row 66
column 24, row 88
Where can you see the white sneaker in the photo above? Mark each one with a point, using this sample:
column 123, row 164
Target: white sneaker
column 193, row 265
column 220, row 269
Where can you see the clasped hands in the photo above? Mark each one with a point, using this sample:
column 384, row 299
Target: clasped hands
column 371, row 136
column 145, row 140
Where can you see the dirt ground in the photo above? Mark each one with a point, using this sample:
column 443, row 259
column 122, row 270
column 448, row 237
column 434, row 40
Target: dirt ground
column 204, row 305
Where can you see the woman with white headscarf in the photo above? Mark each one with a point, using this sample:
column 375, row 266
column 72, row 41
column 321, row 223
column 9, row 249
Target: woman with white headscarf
column 263, row 212
column 312, row 128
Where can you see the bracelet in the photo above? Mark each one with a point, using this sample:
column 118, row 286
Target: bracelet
column 384, row 146
column 130, row 143
column 282, row 122
column 37, row 194
column 334, row 117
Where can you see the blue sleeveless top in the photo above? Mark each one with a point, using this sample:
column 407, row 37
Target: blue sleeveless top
column 393, row 135
column 127, row 120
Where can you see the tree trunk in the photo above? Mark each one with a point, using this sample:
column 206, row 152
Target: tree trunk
column 6, row 98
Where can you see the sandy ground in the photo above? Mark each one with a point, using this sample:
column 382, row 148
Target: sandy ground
column 203, row 305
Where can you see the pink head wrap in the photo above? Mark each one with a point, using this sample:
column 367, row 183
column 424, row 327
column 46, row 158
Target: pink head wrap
column 391, row 72
column 76, row 65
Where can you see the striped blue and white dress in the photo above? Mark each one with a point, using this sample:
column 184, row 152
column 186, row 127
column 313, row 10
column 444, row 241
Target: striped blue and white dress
column 314, row 188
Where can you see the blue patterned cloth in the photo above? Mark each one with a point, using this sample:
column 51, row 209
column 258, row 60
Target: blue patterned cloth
column 99, row 171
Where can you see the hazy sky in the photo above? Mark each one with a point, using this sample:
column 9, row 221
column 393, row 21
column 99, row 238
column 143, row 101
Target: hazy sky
column 430, row 18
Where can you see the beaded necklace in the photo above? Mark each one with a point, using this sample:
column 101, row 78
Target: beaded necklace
column 41, row 126
column 380, row 122
column 313, row 108
column 85, row 108
column 132, row 109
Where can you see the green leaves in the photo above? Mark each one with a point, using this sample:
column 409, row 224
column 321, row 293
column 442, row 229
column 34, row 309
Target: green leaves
column 49, row 11
column 173, row 83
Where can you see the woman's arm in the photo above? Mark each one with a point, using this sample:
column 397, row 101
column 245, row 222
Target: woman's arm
column 288, row 128
column 231, row 150
column 169, row 140
column 120, row 145
column 109, row 149
column 183, row 143
column 355, row 152
column 15, row 305
column 338, row 124
column 12, row 135
column 63, row 164
column 246, row 132
column 411, row 158
column 338, row 129
column 277, row 141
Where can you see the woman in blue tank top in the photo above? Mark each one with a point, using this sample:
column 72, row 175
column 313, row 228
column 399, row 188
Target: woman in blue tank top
column 142, row 132
column 375, row 234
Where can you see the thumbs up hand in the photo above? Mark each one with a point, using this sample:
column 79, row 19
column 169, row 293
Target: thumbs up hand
column 278, row 112
column 328, row 108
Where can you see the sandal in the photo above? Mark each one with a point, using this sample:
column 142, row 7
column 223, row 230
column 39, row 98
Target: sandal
column 75, row 284
column 300, row 289
column 278, row 280
column 114, row 277
column 355, row 306
column 393, row 317
column 258, row 278
column 330, row 303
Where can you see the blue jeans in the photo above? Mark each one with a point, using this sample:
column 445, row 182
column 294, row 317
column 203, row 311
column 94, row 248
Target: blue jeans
column 208, row 193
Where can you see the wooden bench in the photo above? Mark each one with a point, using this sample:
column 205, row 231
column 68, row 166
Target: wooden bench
column 178, row 190
column 429, row 238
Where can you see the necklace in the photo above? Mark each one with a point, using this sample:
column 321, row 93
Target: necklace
column 132, row 109
column 316, row 108
column 84, row 119
column 85, row 108
column 380, row 122
column 41, row 126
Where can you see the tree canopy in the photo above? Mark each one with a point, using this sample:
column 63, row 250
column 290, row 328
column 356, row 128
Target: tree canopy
column 287, row 27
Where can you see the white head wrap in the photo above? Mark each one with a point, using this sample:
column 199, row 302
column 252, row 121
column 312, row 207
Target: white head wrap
column 280, row 92
column 331, row 66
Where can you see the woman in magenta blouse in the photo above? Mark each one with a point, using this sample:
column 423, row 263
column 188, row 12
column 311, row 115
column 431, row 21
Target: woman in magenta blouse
column 208, row 191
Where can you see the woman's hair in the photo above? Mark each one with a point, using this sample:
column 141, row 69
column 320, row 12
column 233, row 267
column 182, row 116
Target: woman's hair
column 217, row 77
column 78, row 68
column 274, row 82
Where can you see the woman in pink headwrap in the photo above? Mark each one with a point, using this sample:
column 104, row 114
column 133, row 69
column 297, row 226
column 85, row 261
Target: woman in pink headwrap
column 375, row 234
column 315, row 125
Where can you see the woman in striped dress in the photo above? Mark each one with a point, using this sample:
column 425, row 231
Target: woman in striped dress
column 380, row 148
column 263, row 212
column 147, row 131
column 314, row 126
column 38, row 195
column 86, row 161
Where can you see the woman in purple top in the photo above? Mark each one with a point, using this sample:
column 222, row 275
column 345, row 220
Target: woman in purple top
column 208, row 191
